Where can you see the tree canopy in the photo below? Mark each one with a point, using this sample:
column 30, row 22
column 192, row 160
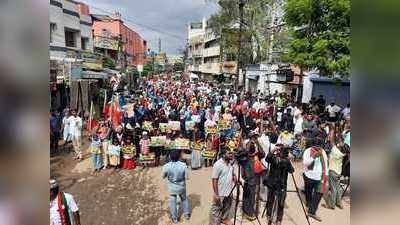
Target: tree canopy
column 320, row 35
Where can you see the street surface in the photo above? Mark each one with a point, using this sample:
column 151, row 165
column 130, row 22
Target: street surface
column 140, row 197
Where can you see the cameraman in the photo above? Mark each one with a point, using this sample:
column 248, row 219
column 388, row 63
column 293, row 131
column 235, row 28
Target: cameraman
column 280, row 167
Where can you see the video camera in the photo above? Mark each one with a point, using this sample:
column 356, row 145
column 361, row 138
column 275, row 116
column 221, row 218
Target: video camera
column 282, row 151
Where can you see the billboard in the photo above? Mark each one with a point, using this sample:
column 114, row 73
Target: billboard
column 106, row 41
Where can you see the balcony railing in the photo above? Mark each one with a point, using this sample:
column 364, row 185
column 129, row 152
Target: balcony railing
column 229, row 67
column 213, row 68
column 213, row 51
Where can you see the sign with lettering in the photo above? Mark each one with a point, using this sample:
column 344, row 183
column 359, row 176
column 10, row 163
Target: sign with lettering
column 158, row 141
column 175, row 125
column 223, row 124
column 211, row 130
column 164, row 127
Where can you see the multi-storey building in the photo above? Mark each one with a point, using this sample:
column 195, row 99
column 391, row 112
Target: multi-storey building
column 70, row 42
column 70, row 29
column 112, row 37
column 204, row 52
column 196, row 32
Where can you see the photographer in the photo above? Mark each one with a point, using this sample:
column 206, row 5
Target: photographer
column 251, row 172
column 280, row 167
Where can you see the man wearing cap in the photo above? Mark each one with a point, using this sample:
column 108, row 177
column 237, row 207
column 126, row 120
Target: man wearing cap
column 63, row 208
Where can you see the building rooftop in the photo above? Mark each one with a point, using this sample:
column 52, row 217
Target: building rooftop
column 102, row 17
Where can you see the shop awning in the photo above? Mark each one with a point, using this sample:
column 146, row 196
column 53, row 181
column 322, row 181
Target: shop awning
column 88, row 74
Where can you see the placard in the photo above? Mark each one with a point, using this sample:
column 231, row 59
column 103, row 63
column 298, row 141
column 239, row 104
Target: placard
column 223, row 125
column 147, row 125
column 190, row 125
column 164, row 127
column 211, row 130
column 128, row 149
column 175, row 125
column 198, row 146
column 181, row 143
column 208, row 154
column 158, row 141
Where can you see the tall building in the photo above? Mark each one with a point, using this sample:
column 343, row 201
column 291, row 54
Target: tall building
column 70, row 29
column 204, row 53
column 112, row 35
column 196, row 31
column 71, row 43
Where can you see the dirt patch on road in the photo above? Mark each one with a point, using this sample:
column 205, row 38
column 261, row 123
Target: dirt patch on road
column 111, row 197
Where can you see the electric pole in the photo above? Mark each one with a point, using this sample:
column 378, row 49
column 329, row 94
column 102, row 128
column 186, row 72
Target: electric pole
column 239, row 55
column 159, row 45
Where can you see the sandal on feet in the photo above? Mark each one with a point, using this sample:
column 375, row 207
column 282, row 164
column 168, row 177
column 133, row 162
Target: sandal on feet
column 327, row 207
column 317, row 218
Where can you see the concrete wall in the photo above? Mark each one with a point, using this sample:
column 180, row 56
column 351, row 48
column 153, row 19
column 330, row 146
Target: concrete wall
column 133, row 44
column 70, row 15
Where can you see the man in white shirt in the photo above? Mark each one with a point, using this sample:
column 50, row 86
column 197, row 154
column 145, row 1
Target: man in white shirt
column 61, row 200
column 315, row 163
column 75, row 132
column 346, row 112
column 256, row 105
column 333, row 111
column 297, row 113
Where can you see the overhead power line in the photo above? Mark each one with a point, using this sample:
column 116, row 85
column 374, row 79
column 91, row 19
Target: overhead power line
column 140, row 24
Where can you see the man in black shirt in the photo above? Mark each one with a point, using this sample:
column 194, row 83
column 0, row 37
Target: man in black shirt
column 280, row 167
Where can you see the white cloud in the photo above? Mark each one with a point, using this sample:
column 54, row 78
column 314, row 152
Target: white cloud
column 171, row 16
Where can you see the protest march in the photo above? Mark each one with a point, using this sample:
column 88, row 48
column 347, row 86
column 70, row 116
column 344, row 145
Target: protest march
column 185, row 126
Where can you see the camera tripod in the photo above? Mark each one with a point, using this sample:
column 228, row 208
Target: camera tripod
column 298, row 195
column 237, row 184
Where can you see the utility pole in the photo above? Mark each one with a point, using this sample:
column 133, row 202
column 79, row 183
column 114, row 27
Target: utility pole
column 239, row 55
column 159, row 45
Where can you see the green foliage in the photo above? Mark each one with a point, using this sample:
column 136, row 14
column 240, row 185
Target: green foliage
column 179, row 66
column 108, row 62
column 320, row 35
column 147, row 68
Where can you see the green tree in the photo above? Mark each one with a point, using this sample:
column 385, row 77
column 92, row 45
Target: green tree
column 108, row 62
column 320, row 35
column 147, row 68
column 179, row 66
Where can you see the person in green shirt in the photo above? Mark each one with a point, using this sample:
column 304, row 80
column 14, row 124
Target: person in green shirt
column 333, row 197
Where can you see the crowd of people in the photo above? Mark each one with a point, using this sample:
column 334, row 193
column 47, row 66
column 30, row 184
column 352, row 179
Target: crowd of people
column 218, row 127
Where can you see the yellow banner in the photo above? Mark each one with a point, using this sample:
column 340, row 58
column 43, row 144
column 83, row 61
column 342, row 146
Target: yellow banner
column 211, row 130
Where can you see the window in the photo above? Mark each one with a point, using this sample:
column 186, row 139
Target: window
column 70, row 38
column 84, row 43
column 53, row 28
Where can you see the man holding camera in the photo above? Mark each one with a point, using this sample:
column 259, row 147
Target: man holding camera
column 280, row 167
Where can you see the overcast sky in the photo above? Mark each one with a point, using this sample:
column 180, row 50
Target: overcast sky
column 171, row 16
